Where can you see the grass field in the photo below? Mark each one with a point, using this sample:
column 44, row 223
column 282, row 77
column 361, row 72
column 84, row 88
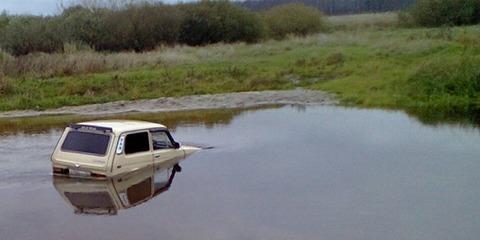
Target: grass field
column 387, row 66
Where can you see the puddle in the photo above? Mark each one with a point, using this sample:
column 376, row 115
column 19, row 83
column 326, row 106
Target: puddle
column 276, row 173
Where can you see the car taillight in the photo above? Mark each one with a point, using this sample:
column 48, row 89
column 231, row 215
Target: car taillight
column 58, row 170
column 97, row 175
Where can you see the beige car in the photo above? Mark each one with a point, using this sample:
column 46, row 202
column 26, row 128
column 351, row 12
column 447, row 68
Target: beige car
column 107, row 197
column 114, row 147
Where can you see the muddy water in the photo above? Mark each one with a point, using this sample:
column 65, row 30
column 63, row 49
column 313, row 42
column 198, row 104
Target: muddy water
column 281, row 173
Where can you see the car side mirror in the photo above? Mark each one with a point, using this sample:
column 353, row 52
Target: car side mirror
column 176, row 145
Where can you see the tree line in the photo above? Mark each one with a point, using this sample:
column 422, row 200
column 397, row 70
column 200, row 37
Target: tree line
column 332, row 7
column 146, row 25
column 143, row 26
column 435, row 13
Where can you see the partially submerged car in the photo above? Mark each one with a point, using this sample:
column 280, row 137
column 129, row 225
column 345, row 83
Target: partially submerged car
column 112, row 147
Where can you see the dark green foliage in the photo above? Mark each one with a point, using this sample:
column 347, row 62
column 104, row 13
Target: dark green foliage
column 294, row 18
column 136, row 27
column 153, row 25
column 218, row 21
column 334, row 7
column 83, row 25
column 434, row 13
column 3, row 21
column 452, row 82
column 146, row 25
column 140, row 28
column 28, row 34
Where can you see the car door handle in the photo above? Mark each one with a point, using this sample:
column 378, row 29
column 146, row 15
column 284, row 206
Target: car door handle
column 157, row 156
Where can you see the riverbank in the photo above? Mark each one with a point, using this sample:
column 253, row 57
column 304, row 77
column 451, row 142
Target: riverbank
column 200, row 102
column 411, row 69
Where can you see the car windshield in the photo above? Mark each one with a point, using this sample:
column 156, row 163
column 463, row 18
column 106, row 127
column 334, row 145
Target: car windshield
column 86, row 142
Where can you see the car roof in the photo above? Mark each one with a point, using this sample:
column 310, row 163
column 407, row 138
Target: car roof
column 121, row 126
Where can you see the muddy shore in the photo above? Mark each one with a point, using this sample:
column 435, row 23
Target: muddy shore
column 215, row 101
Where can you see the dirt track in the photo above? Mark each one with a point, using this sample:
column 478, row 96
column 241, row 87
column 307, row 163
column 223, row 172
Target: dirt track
column 227, row 100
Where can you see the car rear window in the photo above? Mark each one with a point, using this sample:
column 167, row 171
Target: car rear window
column 85, row 142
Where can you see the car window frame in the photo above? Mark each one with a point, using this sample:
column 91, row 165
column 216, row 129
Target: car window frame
column 150, row 147
column 172, row 141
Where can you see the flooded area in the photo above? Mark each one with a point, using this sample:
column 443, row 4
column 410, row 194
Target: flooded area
column 288, row 172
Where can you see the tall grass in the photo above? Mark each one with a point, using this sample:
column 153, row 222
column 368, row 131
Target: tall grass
column 447, row 83
column 86, row 61
column 80, row 60
column 5, row 85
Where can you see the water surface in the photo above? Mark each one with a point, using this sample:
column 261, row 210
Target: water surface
column 280, row 173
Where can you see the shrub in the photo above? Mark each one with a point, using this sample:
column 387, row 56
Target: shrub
column 135, row 27
column 218, row 21
column 293, row 18
column 143, row 27
column 28, row 34
column 455, row 79
column 433, row 13
column 138, row 26
column 84, row 25
column 405, row 19
column 6, row 86
column 4, row 19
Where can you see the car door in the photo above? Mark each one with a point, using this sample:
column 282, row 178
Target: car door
column 164, row 147
column 137, row 152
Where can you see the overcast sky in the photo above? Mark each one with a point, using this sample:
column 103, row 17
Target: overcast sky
column 39, row 6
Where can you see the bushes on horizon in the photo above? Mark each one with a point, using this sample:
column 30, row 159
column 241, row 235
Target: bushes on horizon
column 28, row 34
column 147, row 25
column 209, row 22
column 434, row 13
column 136, row 27
column 84, row 26
column 153, row 25
column 293, row 19
column 4, row 20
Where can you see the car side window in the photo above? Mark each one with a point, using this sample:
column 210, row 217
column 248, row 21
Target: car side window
column 136, row 143
column 161, row 140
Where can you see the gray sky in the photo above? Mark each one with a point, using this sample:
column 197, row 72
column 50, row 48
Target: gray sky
column 39, row 6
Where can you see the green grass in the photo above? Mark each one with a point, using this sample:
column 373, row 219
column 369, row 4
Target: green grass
column 413, row 69
column 137, row 84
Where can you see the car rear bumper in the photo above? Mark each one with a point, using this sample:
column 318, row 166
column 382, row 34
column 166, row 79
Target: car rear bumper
column 71, row 169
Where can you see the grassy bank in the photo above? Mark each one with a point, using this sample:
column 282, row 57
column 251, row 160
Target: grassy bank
column 208, row 118
column 379, row 66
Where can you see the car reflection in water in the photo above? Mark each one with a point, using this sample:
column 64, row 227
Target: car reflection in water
column 107, row 197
